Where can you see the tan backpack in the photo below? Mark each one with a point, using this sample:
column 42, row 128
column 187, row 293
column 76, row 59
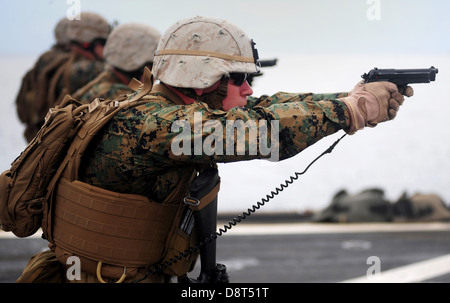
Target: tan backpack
column 24, row 186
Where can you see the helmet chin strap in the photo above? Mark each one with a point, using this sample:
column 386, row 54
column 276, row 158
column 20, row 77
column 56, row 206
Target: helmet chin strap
column 215, row 98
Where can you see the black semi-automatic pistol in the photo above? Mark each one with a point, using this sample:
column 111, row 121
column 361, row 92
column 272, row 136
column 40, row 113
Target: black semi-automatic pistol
column 401, row 77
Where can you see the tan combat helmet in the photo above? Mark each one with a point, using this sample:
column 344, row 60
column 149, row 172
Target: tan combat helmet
column 197, row 52
column 90, row 26
column 131, row 45
column 61, row 31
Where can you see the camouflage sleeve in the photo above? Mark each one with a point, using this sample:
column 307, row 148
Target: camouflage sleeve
column 282, row 97
column 286, row 125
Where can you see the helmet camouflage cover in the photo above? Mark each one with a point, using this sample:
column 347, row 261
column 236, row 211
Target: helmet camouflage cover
column 197, row 52
column 88, row 27
column 131, row 45
column 61, row 31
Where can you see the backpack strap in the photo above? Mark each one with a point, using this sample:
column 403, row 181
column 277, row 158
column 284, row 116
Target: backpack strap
column 148, row 84
column 135, row 84
column 162, row 90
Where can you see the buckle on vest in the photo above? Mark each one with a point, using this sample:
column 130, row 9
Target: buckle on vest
column 49, row 114
column 94, row 104
column 111, row 107
column 191, row 201
column 99, row 274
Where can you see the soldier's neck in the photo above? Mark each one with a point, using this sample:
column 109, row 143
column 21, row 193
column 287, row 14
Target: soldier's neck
column 183, row 97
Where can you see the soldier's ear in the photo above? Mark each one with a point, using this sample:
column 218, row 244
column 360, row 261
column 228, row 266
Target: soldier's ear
column 201, row 91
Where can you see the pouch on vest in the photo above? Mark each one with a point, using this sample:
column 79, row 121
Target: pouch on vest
column 185, row 234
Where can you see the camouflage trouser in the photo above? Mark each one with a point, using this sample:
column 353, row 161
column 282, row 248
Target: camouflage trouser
column 43, row 268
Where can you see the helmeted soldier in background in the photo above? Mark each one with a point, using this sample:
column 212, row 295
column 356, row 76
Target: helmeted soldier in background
column 87, row 38
column 128, row 50
column 75, row 59
column 202, row 64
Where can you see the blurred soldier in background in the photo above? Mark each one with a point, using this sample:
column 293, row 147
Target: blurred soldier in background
column 87, row 37
column 75, row 59
column 31, row 101
column 128, row 50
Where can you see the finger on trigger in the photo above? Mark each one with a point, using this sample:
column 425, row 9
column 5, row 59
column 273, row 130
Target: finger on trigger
column 391, row 87
column 409, row 91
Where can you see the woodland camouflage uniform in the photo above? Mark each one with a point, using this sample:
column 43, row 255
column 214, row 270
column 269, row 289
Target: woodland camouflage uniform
column 134, row 153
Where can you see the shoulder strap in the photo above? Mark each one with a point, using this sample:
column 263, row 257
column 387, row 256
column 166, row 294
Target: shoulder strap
column 135, row 84
column 162, row 90
column 148, row 85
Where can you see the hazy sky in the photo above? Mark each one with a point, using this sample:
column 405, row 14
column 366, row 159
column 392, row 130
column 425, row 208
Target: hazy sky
column 300, row 26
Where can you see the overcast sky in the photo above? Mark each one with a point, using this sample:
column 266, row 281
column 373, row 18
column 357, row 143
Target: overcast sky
column 292, row 26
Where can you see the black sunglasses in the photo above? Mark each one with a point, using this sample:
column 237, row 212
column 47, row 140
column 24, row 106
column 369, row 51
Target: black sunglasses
column 90, row 45
column 239, row 78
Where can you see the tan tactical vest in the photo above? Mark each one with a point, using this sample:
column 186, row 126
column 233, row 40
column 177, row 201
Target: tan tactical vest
column 121, row 233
